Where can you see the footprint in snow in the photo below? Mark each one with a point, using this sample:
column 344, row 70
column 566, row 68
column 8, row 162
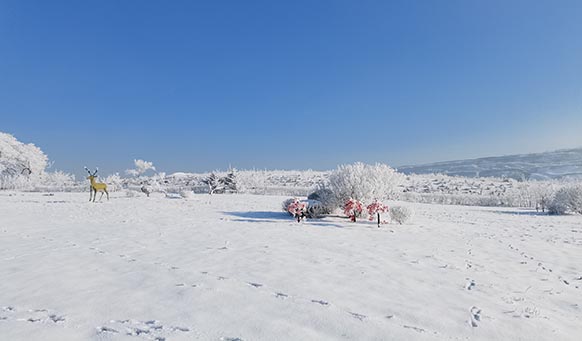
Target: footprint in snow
column 281, row 295
column 107, row 330
column 358, row 316
column 470, row 285
column 150, row 329
column 255, row 285
column 475, row 316
column 416, row 329
column 320, row 302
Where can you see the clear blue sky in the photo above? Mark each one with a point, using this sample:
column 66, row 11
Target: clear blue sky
column 199, row 85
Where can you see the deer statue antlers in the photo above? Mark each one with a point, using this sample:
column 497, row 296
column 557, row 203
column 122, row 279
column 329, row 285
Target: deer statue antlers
column 96, row 186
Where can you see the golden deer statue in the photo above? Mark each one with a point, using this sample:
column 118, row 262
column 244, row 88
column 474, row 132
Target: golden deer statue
column 96, row 186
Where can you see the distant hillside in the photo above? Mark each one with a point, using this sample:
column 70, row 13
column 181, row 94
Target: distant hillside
column 566, row 163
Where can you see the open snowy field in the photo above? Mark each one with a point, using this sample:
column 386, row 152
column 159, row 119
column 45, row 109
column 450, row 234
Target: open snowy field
column 234, row 267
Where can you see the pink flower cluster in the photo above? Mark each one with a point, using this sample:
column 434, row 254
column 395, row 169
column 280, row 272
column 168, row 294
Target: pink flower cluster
column 353, row 208
column 297, row 209
column 375, row 208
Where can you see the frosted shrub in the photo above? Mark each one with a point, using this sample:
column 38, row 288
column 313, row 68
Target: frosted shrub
column 315, row 209
column 252, row 181
column 327, row 200
column 57, row 181
column 186, row 194
column 364, row 182
column 131, row 194
column 114, row 182
column 309, row 208
column 567, row 199
column 400, row 214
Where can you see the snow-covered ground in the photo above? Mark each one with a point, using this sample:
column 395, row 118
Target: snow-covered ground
column 233, row 267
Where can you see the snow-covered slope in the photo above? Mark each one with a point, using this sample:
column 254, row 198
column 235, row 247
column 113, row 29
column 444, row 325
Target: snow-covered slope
column 565, row 163
column 233, row 267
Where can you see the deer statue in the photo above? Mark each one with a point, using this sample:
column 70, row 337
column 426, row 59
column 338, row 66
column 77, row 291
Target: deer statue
column 96, row 186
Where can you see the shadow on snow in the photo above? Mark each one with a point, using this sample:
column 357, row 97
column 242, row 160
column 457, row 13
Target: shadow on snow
column 274, row 217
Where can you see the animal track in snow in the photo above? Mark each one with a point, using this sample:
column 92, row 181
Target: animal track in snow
column 107, row 330
column 470, row 285
column 320, row 302
column 32, row 315
column 475, row 316
column 417, row 329
column 150, row 329
column 358, row 316
column 255, row 285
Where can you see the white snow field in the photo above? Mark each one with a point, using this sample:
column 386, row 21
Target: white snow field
column 234, row 267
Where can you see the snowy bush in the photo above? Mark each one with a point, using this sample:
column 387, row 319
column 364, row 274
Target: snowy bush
column 186, row 194
column 400, row 214
column 567, row 199
column 310, row 208
column 326, row 198
column 114, row 182
column 315, row 209
column 131, row 193
column 252, row 181
column 364, row 182
column 57, row 182
column 146, row 189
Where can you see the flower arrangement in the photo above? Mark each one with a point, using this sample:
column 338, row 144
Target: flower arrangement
column 353, row 209
column 374, row 210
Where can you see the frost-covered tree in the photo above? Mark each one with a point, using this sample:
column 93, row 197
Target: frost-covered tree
column 400, row 214
column 542, row 192
column 20, row 163
column 228, row 182
column 364, row 182
column 141, row 167
column 567, row 199
column 213, row 183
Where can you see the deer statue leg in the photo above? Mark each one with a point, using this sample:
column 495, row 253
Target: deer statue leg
column 94, row 194
column 101, row 197
column 107, row 194
column 90, row 192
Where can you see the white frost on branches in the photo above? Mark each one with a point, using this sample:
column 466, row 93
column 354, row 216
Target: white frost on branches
column 566, row 200
column 364, row 182
column 21, row 165
column 141, row 167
